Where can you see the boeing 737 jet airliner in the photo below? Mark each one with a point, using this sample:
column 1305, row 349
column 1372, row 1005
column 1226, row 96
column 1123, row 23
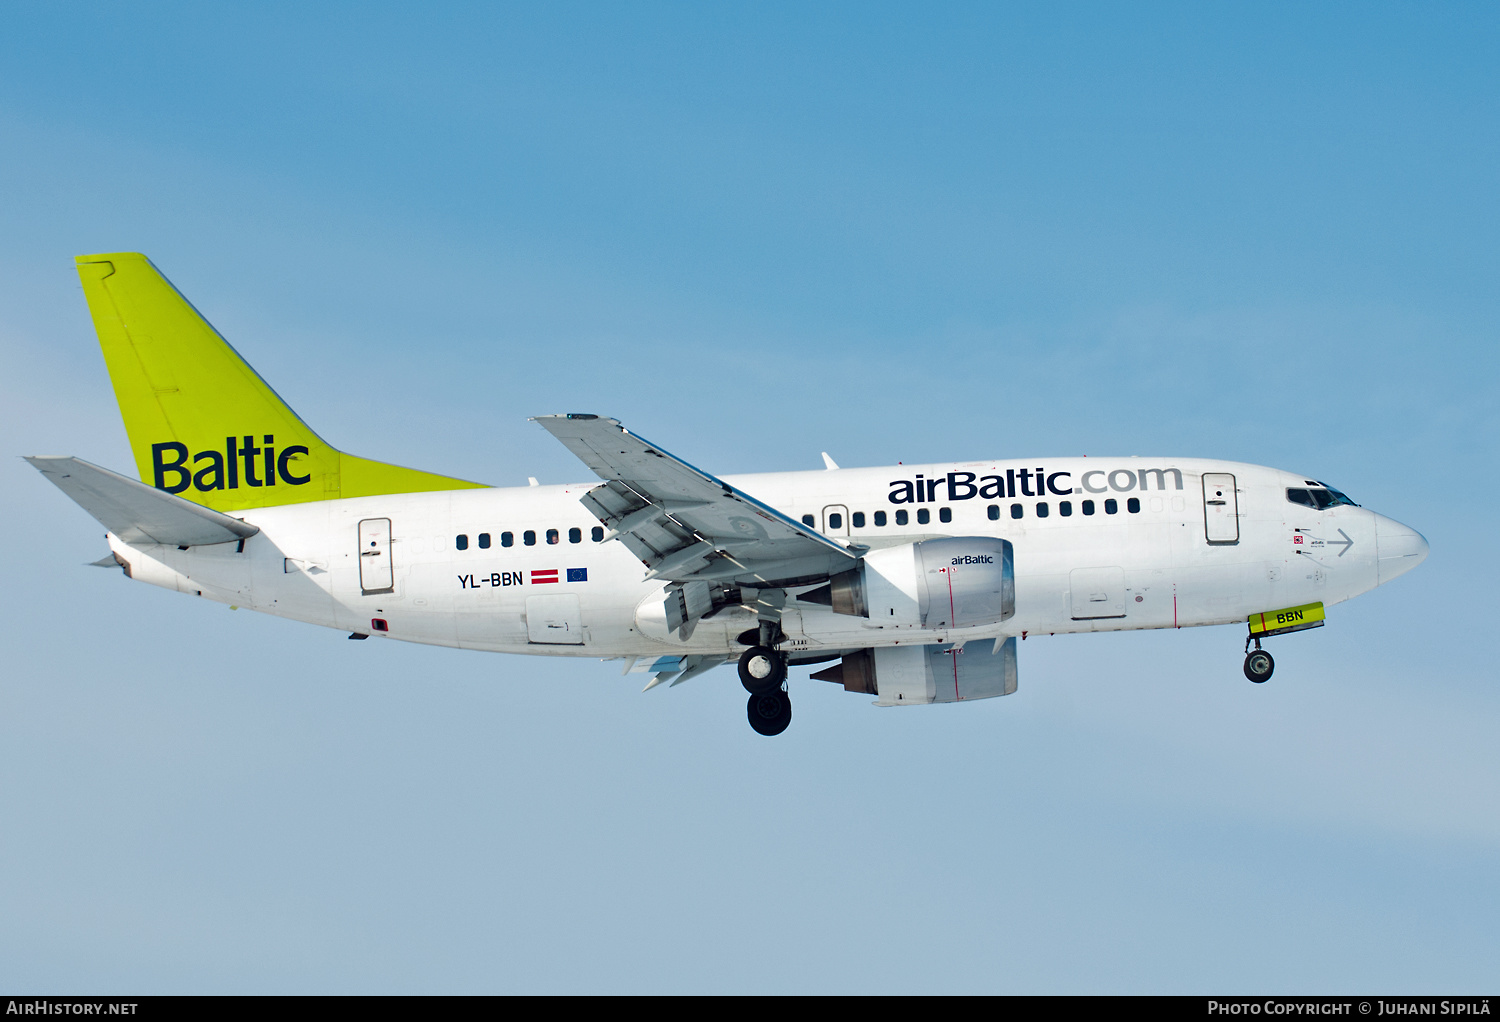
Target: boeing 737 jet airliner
column 912, row 583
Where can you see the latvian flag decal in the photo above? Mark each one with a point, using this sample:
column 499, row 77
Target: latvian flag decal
column 550, row 575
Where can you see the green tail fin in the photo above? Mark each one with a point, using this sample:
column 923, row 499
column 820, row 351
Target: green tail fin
column 201, row 422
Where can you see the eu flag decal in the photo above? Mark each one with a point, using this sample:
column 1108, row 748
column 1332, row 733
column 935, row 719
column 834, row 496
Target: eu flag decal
column 578, row 574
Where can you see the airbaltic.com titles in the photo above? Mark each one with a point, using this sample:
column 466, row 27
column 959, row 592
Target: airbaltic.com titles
column 1019, row 482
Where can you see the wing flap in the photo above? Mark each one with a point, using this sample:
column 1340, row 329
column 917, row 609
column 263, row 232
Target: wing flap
column 684, row 523
column 137, row 513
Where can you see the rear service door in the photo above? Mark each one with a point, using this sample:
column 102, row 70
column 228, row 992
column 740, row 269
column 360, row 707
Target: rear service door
column 375, row 574
column 1221, row 513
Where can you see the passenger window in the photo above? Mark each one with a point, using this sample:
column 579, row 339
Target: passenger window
column 484, row 541
column 945, row 514
column 1088, row 507
column 994, row 512
column 1065, row 508
column 552, row 537
column 1016, row 511
column 880, row 519
column 809, row 521
column 1111, row 506
column 857, row 519
column 835, row 521
column 529, row 537
column 597, row 534
column 461, row 541
column 900, row 517
column 507, row 539
column 1041, row 509
column 923, row 516
column 1133, row 505
column 575, row 535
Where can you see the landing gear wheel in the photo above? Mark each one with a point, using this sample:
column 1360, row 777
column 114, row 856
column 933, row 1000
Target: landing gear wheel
column 1259, row 665
column 770, row 712
column 761, row 669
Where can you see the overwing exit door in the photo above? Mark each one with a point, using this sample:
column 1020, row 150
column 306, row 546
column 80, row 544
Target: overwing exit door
column 1221, row 512
column 375, row 575
column 835, row 520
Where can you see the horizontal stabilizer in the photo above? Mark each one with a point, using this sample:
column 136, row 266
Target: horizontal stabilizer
column 137, row 513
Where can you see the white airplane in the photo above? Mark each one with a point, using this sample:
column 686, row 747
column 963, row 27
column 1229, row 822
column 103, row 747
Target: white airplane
column 913, row 582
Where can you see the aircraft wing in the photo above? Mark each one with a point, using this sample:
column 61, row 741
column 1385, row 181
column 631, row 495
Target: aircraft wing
column 138, row 513
column 685, row 524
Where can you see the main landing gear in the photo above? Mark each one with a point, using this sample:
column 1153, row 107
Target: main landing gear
column 1258, row 663
column 763, row 673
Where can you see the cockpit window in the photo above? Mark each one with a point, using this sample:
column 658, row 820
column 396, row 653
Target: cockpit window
column 1319, row 498
column 1338, row 498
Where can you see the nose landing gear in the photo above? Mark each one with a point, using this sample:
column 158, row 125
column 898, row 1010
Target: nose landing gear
column 1258, row 663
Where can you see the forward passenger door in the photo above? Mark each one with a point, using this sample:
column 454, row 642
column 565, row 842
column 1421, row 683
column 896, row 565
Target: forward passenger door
column 1221, row 514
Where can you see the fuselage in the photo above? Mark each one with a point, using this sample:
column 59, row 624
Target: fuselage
column 1100, row 545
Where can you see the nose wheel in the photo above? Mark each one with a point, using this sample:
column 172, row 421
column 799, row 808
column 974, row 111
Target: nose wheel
column 1258, row 663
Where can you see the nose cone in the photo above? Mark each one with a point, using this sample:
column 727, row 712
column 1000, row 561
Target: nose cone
column 1397, row 549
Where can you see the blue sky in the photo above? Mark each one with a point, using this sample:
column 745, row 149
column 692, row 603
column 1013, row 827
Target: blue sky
column 753, row 234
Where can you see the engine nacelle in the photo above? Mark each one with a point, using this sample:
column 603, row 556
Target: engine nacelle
column 914, row 675
column 937, row 583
